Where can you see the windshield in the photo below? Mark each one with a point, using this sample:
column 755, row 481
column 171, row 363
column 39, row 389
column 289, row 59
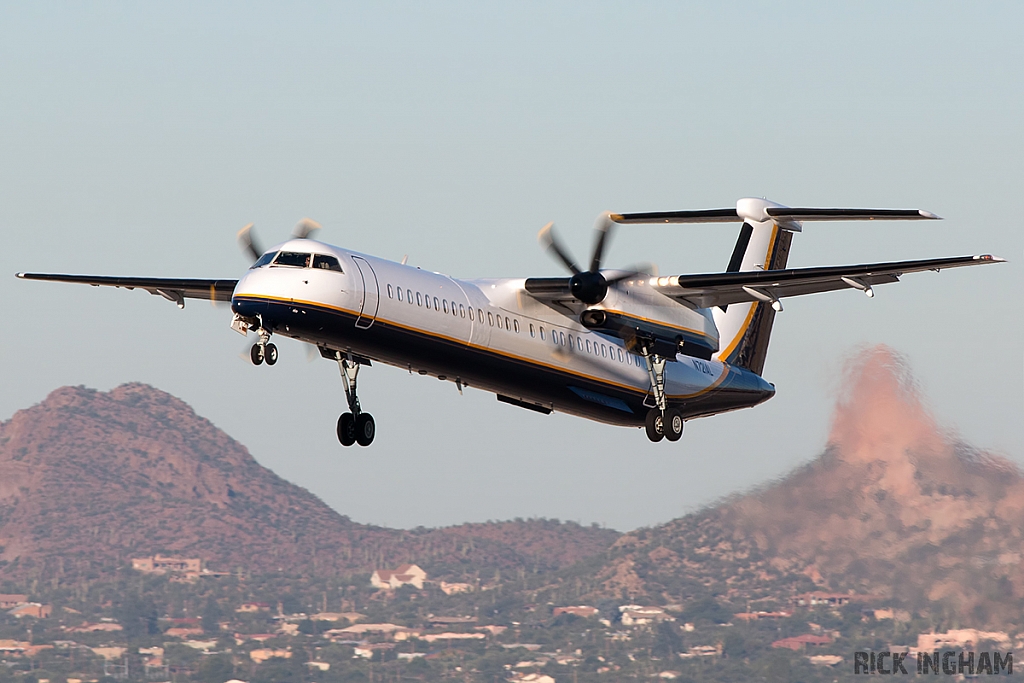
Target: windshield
column 265, row 259
column 326, row 262
column 292, row 258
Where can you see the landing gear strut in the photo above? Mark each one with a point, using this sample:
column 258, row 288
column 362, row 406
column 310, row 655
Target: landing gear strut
column 355, row 426
column 263, row 350
column 662, row 422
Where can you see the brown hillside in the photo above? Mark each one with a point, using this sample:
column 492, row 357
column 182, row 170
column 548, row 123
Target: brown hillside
column 89, row 479
column 895, row 507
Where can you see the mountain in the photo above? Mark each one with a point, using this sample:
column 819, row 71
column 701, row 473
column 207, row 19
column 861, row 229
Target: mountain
column 89, row 479
column 895, row 507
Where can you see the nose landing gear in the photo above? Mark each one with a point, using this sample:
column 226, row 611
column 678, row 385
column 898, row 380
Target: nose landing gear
column 355, row 426
column 263, row 350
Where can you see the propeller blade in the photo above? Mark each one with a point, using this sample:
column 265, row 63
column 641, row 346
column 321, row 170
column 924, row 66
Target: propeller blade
column 304, row 228
column 603, row 227
column 618, row 275
column 547, row 238
column 248, row 242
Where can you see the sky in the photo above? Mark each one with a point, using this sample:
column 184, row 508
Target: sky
column 137, row 138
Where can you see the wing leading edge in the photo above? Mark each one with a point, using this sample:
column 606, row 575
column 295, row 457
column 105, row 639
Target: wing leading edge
column 172, row 289
column 722, row 289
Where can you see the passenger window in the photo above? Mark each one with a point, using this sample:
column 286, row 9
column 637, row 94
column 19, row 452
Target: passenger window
column 604, row 351
column 326, row 262
column 542, row 333
column 499, row 321
column 619, row 351
column 399, row 293
column 264, row 260
column 515, row 324
column 561, row 338
column 588, row 346
column 570, row 342
column 471, row 313
column 419, row 299
column 480, row 315
column 444, row 302
column 437, row 304
column 428, row 301
column 507, row 325
column 293, row 259
column 490, row 319
column 408, row 296
column 579, row 343
column 532, row 332
column 391, row 294
column 462, row 311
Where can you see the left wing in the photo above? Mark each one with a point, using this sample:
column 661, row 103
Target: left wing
column 722, row 289
column 172, row 289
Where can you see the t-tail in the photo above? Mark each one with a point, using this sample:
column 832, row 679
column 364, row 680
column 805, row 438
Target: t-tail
column 763, row 244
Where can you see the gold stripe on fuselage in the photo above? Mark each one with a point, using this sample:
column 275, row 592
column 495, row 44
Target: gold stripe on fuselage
column 488, row 349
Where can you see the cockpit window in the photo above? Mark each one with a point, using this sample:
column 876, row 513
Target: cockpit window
column 265, row 259
column 292, row 258
column 326, row 262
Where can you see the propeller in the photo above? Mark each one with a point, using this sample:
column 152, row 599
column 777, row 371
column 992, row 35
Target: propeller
column 588, row 286
column 251, row 246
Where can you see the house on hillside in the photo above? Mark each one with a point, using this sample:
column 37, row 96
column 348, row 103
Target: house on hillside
column 584, row 611
column 798, row 643
column 159, row 564
column 405, row 575
column 8, row 600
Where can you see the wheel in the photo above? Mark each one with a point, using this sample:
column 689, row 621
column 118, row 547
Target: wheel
column 346, row 429
column 270, row 354
column 673, row 424
column 256, row 354
column 365, row 429
column 655, row 425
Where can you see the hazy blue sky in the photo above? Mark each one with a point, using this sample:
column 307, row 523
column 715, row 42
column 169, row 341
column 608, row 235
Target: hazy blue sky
column 136, row 138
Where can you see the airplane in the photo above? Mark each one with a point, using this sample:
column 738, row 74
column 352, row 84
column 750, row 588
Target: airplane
column 619, row 346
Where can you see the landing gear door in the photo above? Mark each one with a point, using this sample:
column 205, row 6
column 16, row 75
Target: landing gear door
column 369, row 296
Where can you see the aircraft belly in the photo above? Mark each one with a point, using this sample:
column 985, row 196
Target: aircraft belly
column 515, row 365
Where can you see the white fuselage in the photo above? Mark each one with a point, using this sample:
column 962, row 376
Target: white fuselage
column 489, row 334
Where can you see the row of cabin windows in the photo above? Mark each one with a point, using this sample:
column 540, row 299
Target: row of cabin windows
column 504, row 322
column 559, row 338
column 425, row 300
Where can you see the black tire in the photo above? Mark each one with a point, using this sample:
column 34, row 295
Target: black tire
column 365, row 429
column 270, row 354
column 673, row 424
column 655, row 425
column 256, row 354
column 346, row 429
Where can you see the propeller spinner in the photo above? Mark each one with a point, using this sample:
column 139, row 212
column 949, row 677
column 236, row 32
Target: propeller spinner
column 588, row 286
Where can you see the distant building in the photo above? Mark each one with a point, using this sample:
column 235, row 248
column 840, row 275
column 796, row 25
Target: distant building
column 405, row 575
column 110, row 651
column 450, row 621
column 817, row 598
column 366, row 651
column 434, row 637
column 453, row 588
column 637, row 615
column 962, row 637
column 252, row 607
column 755, row 616
column 584, row 611
column 159, row 564
column 102, row 627
column 798, row 643
column 260, row 655
column 183, row 631
column 8, row 600
column 32, row 609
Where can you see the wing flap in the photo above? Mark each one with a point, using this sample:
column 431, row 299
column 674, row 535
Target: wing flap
column 722, row 289
column 172, row 289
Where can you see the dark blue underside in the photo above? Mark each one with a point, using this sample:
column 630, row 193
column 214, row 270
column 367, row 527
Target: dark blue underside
column 481, row 368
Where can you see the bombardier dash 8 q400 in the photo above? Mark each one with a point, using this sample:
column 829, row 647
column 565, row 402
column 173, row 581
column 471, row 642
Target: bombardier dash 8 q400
column 624, row 347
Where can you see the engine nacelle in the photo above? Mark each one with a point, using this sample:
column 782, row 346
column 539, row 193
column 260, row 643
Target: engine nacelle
column 661, row 340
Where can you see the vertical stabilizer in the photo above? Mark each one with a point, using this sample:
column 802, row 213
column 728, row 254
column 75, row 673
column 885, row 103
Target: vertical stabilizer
column 744, row 329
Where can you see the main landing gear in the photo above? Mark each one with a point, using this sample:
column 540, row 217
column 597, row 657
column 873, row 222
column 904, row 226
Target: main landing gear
column 662, row 422
column 355, row 426
column 263, row 350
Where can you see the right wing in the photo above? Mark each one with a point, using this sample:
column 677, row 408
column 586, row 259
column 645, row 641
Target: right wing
column 722, row 289
column 172, row 289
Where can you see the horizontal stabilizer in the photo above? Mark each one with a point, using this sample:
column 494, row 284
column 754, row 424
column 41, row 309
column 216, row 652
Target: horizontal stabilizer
column 723, row 289
column 773, row 212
